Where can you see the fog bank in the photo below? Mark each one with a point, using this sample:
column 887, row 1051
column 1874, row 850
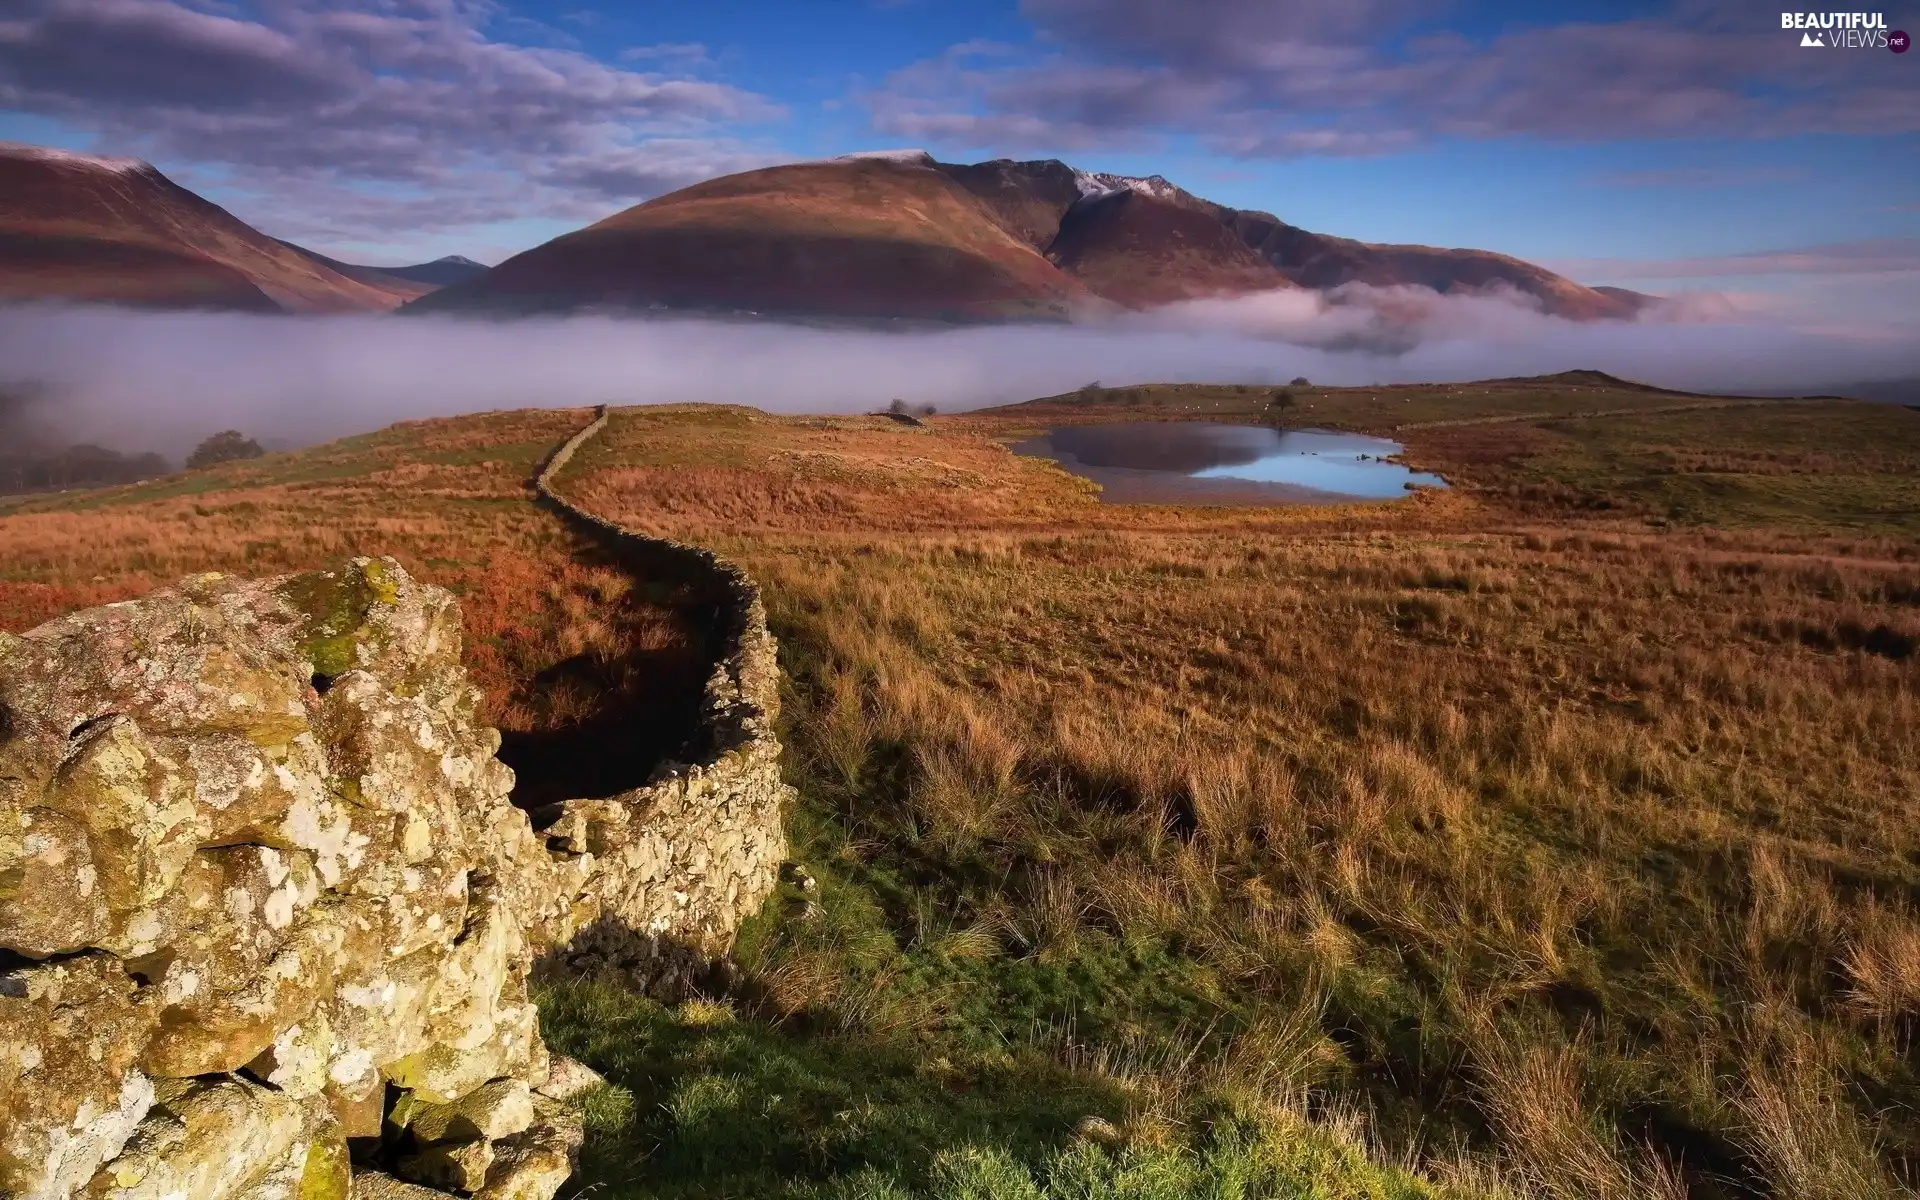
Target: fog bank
column 151, row 380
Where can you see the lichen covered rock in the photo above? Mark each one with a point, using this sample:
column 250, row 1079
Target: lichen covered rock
column 258, row 857
column 264, row 897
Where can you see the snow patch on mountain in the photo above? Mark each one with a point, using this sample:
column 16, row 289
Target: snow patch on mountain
column 1097, row 184
column 70, row 158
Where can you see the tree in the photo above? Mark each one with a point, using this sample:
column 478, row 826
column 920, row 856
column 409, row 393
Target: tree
column 897, row 407
column 228, row 445
column 1281, row 399
column 1300, row 381
column 928, row 410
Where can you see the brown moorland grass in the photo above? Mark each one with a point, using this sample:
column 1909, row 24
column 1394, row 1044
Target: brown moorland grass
column 555, row 639
column 1573, row 835
column 1555, row 831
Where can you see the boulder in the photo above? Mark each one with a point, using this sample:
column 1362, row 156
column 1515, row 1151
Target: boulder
column 260, row 871
column 243, row 821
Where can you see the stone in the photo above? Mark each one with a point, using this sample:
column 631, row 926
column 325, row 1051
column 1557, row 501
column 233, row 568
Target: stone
column 461, row 1166
column 1098, row 1130
column 488, row 1113
column 298, row 1059
column 210, row 1143
column 531, row 1165
column 70, row 1094
column 318, row 1169
column 358, row 1112
column 568, row 1078
column 137, row 806
column 261, row 836
column 49, row 899
column 377, row 1185
column 441, row 1074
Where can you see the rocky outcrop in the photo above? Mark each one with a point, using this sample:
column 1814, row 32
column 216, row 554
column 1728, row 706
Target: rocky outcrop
column 267, row 915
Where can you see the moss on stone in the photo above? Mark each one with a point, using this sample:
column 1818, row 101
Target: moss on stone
column 327, row 1175
column 335, row 605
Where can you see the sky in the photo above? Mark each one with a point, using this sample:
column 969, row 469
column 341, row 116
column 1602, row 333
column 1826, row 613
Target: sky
column 1669, row 145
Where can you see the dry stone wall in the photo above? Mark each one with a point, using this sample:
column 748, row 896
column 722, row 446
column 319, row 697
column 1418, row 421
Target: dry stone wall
column 698, row 849
column 268, row 915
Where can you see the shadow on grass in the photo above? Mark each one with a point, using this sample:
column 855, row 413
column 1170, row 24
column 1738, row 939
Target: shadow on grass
column 702, row 1103
column 705, row 1103
column 643, row 706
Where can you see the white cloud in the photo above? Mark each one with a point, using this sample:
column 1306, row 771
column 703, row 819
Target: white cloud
column 375, row 115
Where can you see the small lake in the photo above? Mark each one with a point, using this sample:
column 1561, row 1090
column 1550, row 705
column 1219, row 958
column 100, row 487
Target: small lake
column 1204, row 462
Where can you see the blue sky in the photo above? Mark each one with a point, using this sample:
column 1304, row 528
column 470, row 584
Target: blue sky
column 1668, row 145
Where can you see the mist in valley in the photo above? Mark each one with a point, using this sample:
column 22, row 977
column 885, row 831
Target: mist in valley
column 161, row 381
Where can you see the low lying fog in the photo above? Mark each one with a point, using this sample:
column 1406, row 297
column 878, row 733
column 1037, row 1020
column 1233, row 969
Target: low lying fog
column 147, row 380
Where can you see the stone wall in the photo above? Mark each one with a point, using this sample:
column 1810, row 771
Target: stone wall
column 267, row 914
column 700, row 847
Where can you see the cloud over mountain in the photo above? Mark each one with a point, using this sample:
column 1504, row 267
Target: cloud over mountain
column 366, row 114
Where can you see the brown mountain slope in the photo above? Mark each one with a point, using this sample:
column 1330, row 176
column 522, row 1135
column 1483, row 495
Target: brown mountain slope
column 1042, row 201
column 400, row 287
column 900, row 235
column 1318, row 260
column 1142, row 250
column 862, row 238
column 1029, row 199
column 94, row 270
column 81, row 228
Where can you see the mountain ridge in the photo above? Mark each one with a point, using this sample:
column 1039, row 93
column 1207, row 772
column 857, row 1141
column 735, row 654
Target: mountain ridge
column 83, row 228
column 893, row 235
column 900, row 234
column 415, row 278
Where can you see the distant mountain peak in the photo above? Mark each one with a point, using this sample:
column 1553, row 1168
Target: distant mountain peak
column 456, row 260
column 73, row 158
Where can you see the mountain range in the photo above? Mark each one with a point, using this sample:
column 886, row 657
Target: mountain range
column 878, row 236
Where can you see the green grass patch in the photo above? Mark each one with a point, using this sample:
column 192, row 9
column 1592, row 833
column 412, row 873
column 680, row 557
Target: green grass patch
column 700, row 1102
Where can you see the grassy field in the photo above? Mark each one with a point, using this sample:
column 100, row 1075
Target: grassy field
column 1552, row 835
column 556, row 640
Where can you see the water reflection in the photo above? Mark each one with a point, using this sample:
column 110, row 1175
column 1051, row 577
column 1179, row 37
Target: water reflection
column 1201, row 462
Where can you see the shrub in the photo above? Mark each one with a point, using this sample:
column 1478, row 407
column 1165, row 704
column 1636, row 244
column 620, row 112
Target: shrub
column 229, row 445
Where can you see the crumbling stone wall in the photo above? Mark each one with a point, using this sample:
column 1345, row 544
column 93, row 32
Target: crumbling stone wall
column 267, row 915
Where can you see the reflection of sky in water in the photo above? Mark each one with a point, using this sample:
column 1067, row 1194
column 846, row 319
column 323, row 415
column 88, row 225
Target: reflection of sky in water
column 1307, row 458
column 1329, row 462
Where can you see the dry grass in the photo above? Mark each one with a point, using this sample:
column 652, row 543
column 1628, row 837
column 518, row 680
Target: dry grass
column 448, row 498
column 1534, row 815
